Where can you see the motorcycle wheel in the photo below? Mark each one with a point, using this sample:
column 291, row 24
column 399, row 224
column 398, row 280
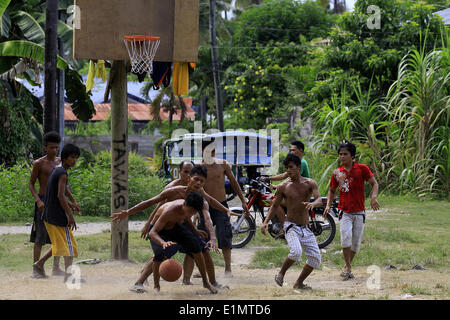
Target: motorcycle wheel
column 243, row 231
column 323, row 229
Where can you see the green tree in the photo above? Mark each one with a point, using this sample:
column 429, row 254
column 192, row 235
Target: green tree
column 362, row 49
column 270, row 44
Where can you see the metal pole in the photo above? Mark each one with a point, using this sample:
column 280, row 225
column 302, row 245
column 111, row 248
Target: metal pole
column 51, row 43
column 61, row 88
column 215, row 63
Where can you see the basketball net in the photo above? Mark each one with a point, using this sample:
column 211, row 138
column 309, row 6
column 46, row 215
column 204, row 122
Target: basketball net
column 142, row 50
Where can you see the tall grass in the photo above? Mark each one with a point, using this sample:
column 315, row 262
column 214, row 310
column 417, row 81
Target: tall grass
column 420, row 103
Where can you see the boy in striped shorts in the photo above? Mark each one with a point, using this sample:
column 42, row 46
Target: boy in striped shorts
column 57, row 215
column 296, row 191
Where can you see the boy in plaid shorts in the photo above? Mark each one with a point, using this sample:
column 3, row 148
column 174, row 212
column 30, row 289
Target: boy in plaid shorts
column 296, row 191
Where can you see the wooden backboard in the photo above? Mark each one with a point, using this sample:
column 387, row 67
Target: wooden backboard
column 100, row 25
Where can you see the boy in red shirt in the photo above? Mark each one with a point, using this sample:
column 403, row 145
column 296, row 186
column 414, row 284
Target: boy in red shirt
column 350, row 178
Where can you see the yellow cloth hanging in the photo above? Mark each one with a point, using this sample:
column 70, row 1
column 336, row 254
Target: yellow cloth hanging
column 101, row 70
column 100, row 73
column 90, row 77
column 180, row 78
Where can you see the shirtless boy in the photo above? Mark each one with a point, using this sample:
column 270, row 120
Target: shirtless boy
column 171, row 229
column 296, row 191
column 197, row 180
column 215, row 186
column 58, row 218
column 41, row 171
column 185, row 168
column 183, row 180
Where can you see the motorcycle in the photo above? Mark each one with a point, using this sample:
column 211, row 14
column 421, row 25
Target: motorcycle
column 259, row 197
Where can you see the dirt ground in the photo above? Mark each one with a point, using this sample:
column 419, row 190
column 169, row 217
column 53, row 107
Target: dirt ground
column 110, row 280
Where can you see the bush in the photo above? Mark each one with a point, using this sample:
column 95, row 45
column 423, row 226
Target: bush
column 16, row 201
column 89, row 182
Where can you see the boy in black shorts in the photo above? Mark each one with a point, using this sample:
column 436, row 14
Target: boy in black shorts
column 42, row 168
column 170, row 229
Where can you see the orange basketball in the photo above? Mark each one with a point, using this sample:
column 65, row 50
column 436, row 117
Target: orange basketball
column 170, row 270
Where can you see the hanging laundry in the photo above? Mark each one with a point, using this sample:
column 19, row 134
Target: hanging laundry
column 100, row 73
column 90, row 77
column 101, row 70
column 161, row 74
column 180, row 81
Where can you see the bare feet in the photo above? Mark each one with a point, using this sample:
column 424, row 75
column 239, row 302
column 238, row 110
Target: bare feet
column 58, row 272
column 219, row 286
column 279, row 279
column 347, row 276
column 301, row 286
column 344, row 272
column 38, row 272
column 157, row 289
column 208, row 286
column 138, row 288
column 228, row 274
column 187, row 282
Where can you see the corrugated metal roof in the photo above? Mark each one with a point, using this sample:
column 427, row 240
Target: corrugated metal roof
column 137, row 111
column 445, row 14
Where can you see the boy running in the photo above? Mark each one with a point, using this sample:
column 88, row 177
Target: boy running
column 297, row 191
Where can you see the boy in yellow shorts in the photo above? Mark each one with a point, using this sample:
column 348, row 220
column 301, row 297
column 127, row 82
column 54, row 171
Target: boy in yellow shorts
column 57, row 215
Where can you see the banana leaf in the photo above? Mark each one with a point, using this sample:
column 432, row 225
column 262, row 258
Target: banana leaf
column 5, row 24
column 27, row 49
column 3, row 5
column 29, row 26
column 82, row 105
column 65, row 32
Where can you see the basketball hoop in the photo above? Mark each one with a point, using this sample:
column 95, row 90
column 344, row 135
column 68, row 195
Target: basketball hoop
column 142, row 50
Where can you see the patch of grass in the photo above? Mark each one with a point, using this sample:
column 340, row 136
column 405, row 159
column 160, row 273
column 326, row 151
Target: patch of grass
column 392, row 236
column 273, row 258
column 415, row 290
column 16, row 253
column 269, row 258
column 266, row 240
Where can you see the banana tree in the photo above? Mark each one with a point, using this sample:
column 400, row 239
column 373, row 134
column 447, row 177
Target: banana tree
column 22, row 50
